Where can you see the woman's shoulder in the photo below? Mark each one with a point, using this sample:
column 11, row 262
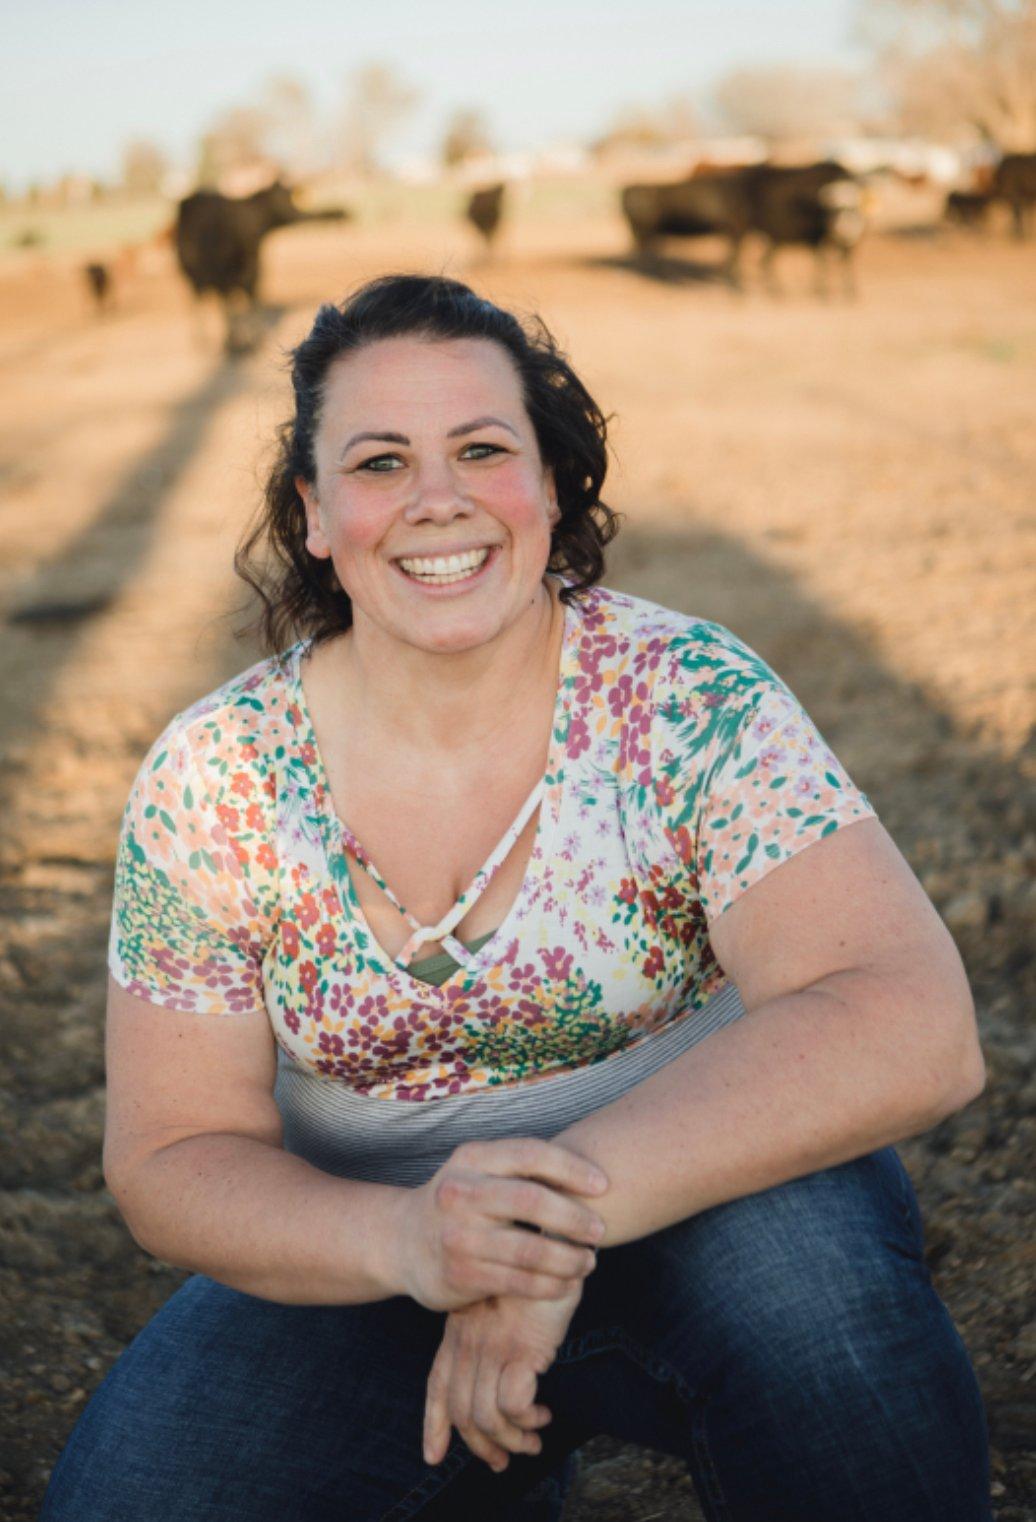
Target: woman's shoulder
column 241, row 726
column 670, row 647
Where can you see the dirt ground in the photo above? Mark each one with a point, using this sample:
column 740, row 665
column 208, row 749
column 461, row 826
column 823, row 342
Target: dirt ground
column 847, row 485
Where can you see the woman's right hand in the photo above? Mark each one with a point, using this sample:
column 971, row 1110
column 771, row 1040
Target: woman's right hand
column 457, row 1241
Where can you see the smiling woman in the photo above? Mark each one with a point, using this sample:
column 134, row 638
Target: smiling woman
column 548, row 413
column 494, row 900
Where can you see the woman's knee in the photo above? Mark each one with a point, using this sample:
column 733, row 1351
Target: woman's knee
column 226, row 1406
column 834, row 1254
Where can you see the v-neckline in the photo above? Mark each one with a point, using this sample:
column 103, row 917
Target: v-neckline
column 339, row 838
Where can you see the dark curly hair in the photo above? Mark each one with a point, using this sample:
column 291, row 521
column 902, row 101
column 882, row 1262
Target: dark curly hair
column 300, row 594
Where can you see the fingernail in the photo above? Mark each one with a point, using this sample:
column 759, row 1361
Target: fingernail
column 598, row 1180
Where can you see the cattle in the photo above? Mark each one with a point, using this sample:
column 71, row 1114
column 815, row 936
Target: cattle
column 701, row 206
column 484, row 211
column 218, row 238
column 99, row 285
column 819, row 205
column 1014, row 181
column 967, row 208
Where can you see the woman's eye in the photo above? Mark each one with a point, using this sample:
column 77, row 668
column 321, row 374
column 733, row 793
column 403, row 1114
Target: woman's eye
column 380, row 463
column 485, row 450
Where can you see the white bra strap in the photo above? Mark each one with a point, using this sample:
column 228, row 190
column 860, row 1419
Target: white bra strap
column 473, row 892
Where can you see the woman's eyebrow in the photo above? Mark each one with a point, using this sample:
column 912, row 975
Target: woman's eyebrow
column 481, row 422
column 380, row 438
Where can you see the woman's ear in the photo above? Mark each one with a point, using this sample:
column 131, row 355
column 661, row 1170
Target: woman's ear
column 316, row 539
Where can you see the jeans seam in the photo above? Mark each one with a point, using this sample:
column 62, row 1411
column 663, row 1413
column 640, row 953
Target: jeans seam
column 616, row 1338
column 455, row 1460
column 713, row 1497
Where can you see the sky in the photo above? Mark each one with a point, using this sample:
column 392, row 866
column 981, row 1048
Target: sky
column 79, row 78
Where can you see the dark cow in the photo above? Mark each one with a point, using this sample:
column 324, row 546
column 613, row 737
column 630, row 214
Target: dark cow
column 218, row 239
column 819, row 205
column 99, row 284
column 705, row 205
column 1014, row 181
column 484, row 211
column 967, row 208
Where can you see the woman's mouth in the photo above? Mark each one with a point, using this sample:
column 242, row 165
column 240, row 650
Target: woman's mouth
column 444, row 570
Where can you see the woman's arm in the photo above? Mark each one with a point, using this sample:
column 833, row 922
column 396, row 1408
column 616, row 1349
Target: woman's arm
column 193, row 1157
column 860, row 1030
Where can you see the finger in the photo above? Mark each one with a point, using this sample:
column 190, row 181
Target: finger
column 462, row 1397
column 540, row 1254
column 491, row 1421
column 516, row 1396
column 488, row 1279
column 436, row 1438
column 526, row 1200
column 531, row 1157
column 525, row 1250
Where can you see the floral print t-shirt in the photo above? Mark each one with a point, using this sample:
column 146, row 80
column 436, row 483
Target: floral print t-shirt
column 681, row 770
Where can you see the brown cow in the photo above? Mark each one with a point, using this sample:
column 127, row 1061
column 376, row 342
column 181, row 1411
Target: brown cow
column 1014, row 181
column 967, row 208
column 819, row 205
column 98, row 277
column 485, row 210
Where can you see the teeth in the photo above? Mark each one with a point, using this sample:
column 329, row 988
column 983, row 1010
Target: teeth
column 445, row 568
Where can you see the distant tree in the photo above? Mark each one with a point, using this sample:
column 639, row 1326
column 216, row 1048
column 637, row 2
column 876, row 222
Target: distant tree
column 377, row 103
column 955, row 68
column 144, row 167
column 787, row 101
column 236, row 140
column 276, row 133
column 639, row 126
column 466, row 136
column 290, row 126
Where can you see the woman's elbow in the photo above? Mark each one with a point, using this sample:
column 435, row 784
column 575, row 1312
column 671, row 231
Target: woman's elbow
column 965, row 1067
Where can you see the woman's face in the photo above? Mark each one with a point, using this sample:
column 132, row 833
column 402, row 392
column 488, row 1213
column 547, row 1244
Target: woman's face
column 430, row 497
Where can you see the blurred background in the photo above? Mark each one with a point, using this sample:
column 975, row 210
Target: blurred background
column 790, row 246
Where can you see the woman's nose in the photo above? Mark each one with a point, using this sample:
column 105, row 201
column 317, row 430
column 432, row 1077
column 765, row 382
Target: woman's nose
column 437, row 498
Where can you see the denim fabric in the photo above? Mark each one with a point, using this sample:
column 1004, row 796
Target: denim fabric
column 788, row 1346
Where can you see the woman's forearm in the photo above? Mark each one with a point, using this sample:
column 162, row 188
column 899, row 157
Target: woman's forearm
column 804, row 1082
column 264, row 1221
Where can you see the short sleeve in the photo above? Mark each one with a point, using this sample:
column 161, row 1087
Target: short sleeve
column 186, row 931
column 774, row 787
column 742, row 777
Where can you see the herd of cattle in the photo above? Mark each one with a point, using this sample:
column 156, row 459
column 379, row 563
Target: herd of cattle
column 821, row 206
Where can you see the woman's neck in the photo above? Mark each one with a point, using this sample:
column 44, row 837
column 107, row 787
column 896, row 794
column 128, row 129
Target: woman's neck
column 451, row 704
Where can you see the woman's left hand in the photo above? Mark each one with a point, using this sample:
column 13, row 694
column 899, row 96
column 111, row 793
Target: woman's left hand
column 483, row 1378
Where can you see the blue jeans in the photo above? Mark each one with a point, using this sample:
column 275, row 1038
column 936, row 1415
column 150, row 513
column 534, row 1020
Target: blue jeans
column 788, row 1346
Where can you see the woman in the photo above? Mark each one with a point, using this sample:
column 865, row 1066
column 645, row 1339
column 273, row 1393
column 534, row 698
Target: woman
column 418, row 932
